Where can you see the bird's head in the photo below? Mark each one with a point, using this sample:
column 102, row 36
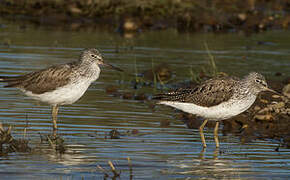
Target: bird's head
column 258, row 83
column 92, row 55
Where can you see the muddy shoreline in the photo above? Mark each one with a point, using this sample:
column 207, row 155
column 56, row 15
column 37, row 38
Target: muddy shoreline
column 183, row 15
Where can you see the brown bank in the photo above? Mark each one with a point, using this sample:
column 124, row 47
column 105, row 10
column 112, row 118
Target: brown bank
column 184, row 15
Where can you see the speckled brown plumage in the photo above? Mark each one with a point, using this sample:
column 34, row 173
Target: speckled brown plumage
column 210, row 93
column 44, row 80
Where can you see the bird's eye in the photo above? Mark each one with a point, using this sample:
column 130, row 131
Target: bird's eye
column 93, row 56
column 261, row 82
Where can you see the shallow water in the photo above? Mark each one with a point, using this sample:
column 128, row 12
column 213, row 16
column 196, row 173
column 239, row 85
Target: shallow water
column 156, row 152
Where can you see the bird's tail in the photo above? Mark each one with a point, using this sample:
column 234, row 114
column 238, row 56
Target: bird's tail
column 7, row 78
column 159, row 97
column 12, row 81
column 169, row 96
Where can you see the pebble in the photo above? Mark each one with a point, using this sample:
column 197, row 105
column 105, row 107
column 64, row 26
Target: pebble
column 264, row 101
column 266, row 117
column 257, row 108
column 279, row 105
column 286, row 90
column 276, row 96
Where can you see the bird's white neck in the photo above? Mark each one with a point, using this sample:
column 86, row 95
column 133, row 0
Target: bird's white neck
column 90, row 70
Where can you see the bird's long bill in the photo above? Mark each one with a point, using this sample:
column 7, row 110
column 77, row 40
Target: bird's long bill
column 113, row 67
column 271, row 90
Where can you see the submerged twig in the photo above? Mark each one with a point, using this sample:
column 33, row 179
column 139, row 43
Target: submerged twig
column 53, row 146
column 57, row 144
column 106, row 175
column 1, row 127
column 116, row 174
column 113, row 169
column 8, row 144
column 154, row 75
column 26, row 126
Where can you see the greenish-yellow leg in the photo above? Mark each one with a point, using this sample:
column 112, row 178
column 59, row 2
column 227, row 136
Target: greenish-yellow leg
column 54, row 118
column 201, row 133
column 216, row 137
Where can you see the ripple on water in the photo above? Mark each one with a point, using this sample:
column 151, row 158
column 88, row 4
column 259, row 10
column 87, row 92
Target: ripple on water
column 171, row 152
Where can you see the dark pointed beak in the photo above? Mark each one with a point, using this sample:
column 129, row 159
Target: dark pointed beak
column 271, row 90
column 113, row 67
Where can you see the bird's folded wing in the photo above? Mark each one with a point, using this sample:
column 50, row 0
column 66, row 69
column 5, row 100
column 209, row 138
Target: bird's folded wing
column 209, row 93
column 42, row 81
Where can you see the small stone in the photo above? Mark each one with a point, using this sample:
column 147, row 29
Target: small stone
column 75, row 10
column 245, row 126
column 264, row 101
column 286, row 90
column 279, row 105
column 242, row 16
column 135, row 131
column 257, row 108
column 264, row 117
column 275, row 96
column 264, row 110
column 129, row 24
column 115, row 134
column 271, row 18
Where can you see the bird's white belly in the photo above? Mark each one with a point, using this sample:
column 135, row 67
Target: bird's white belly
column 63, row 95
column 219, row 112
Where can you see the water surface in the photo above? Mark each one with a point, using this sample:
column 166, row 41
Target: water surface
column 156, row 152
